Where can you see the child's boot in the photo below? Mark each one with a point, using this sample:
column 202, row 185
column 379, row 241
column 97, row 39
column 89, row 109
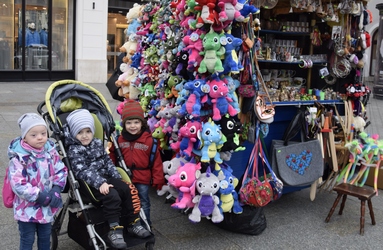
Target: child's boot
column 116, row 237
column 136, row 229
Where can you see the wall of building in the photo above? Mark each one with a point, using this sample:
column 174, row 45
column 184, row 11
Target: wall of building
column 91, row 36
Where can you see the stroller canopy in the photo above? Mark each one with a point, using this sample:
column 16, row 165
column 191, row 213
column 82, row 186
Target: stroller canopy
column 91, row 99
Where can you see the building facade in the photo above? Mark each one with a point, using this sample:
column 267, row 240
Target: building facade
column 73, row 39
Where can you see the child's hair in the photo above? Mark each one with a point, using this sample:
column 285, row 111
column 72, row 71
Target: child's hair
column 78, row 120
column 28, row 121
column 133, row 110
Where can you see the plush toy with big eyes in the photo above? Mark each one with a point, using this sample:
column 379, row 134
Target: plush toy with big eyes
column 231, row 129
column 218, row 97
column 212, row 141
column 187, row 138
column 213, row 50
column 206, row 202
column 231, row 63
column 184, row 180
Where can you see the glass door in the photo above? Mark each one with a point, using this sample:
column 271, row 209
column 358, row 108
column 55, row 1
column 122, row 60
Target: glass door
column 115, row 39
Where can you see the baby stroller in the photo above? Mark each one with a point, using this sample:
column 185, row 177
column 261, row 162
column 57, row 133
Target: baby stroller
column 86, row 224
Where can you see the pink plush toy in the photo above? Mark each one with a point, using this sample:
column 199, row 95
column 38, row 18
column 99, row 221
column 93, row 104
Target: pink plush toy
column 184, row 180
column 220, row 100
column 187, row 137
column 193, row 43
column 228, row 11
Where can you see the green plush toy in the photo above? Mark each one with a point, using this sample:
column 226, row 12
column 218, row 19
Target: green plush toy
column 213, row 50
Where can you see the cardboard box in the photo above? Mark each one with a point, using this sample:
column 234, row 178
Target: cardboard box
column 370, row 178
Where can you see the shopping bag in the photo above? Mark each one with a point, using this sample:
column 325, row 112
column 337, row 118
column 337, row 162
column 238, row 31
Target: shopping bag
column 298, row 163
column 113, row 89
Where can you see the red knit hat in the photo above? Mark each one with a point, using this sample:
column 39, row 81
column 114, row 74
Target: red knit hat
column 132, row 110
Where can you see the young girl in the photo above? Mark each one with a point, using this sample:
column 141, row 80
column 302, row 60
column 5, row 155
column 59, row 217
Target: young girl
column 135, row 143
column 37, row 177
column 91, row 163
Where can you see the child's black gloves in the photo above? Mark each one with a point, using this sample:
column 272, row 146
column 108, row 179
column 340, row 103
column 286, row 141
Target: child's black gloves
column 55, row 197
column 44, row 198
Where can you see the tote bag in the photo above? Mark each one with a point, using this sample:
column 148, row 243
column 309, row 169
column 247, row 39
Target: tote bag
column 298, row 163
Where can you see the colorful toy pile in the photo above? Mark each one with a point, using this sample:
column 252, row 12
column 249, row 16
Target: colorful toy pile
column 183, row 64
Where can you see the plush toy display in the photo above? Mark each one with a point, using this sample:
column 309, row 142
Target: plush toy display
column 206, row 203
column 182, row 65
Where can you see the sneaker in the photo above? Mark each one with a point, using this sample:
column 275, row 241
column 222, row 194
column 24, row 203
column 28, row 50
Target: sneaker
column 116, row 237
column 138, row 231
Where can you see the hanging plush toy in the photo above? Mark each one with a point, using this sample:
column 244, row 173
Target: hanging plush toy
column 184, row 180
column 206, row 203
column 231, row 63
column 170, row 168
column 230, row 129
column 213, row 50
column 198, row 90
column 211, row 138
column 187, row 138
column 218, row 97
column 227, row 194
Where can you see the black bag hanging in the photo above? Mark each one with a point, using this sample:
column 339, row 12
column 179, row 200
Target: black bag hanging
column 251, row 221
column 113, row 89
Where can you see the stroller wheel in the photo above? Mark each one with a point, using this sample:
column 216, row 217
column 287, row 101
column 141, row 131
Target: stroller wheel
column 149, row 245
column 54, row 239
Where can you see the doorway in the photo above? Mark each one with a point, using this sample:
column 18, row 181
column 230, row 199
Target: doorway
column 115, row 38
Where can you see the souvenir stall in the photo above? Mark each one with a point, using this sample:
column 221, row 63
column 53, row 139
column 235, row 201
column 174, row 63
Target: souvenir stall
column 221, row 80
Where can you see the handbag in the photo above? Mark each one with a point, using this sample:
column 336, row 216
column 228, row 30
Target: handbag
column 253, row 191
column 246, row 90
column 275, row 183
column 297, row 163
column 264, row 112
column 113, row 89
column 7, row 192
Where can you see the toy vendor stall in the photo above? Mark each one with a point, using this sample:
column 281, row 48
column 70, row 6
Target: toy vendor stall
column 221, row 81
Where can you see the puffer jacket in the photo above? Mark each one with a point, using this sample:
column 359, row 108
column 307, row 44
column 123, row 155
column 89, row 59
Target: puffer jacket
column 31, row 172
column 136, row 156
column 90, row 163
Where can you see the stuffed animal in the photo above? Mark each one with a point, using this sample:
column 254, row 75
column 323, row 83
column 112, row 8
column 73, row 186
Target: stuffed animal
column 211, row 138
column 246, row 9
column 231, row 62
column 170, row 168
column 193, row 44
column 207, row 11
column 227, row 194
column 187, row 137
column 228, row 11
column 198, row 90
column 206, row 203
column 213, row 50
column 159, row 134
column 221, row 102
column 184, row 180
column 231, row 129
column 232, row 85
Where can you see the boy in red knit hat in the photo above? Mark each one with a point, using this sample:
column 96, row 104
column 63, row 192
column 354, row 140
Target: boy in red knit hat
column 136, row 143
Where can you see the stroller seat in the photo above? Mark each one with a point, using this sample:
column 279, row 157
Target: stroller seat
column 86, row 224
